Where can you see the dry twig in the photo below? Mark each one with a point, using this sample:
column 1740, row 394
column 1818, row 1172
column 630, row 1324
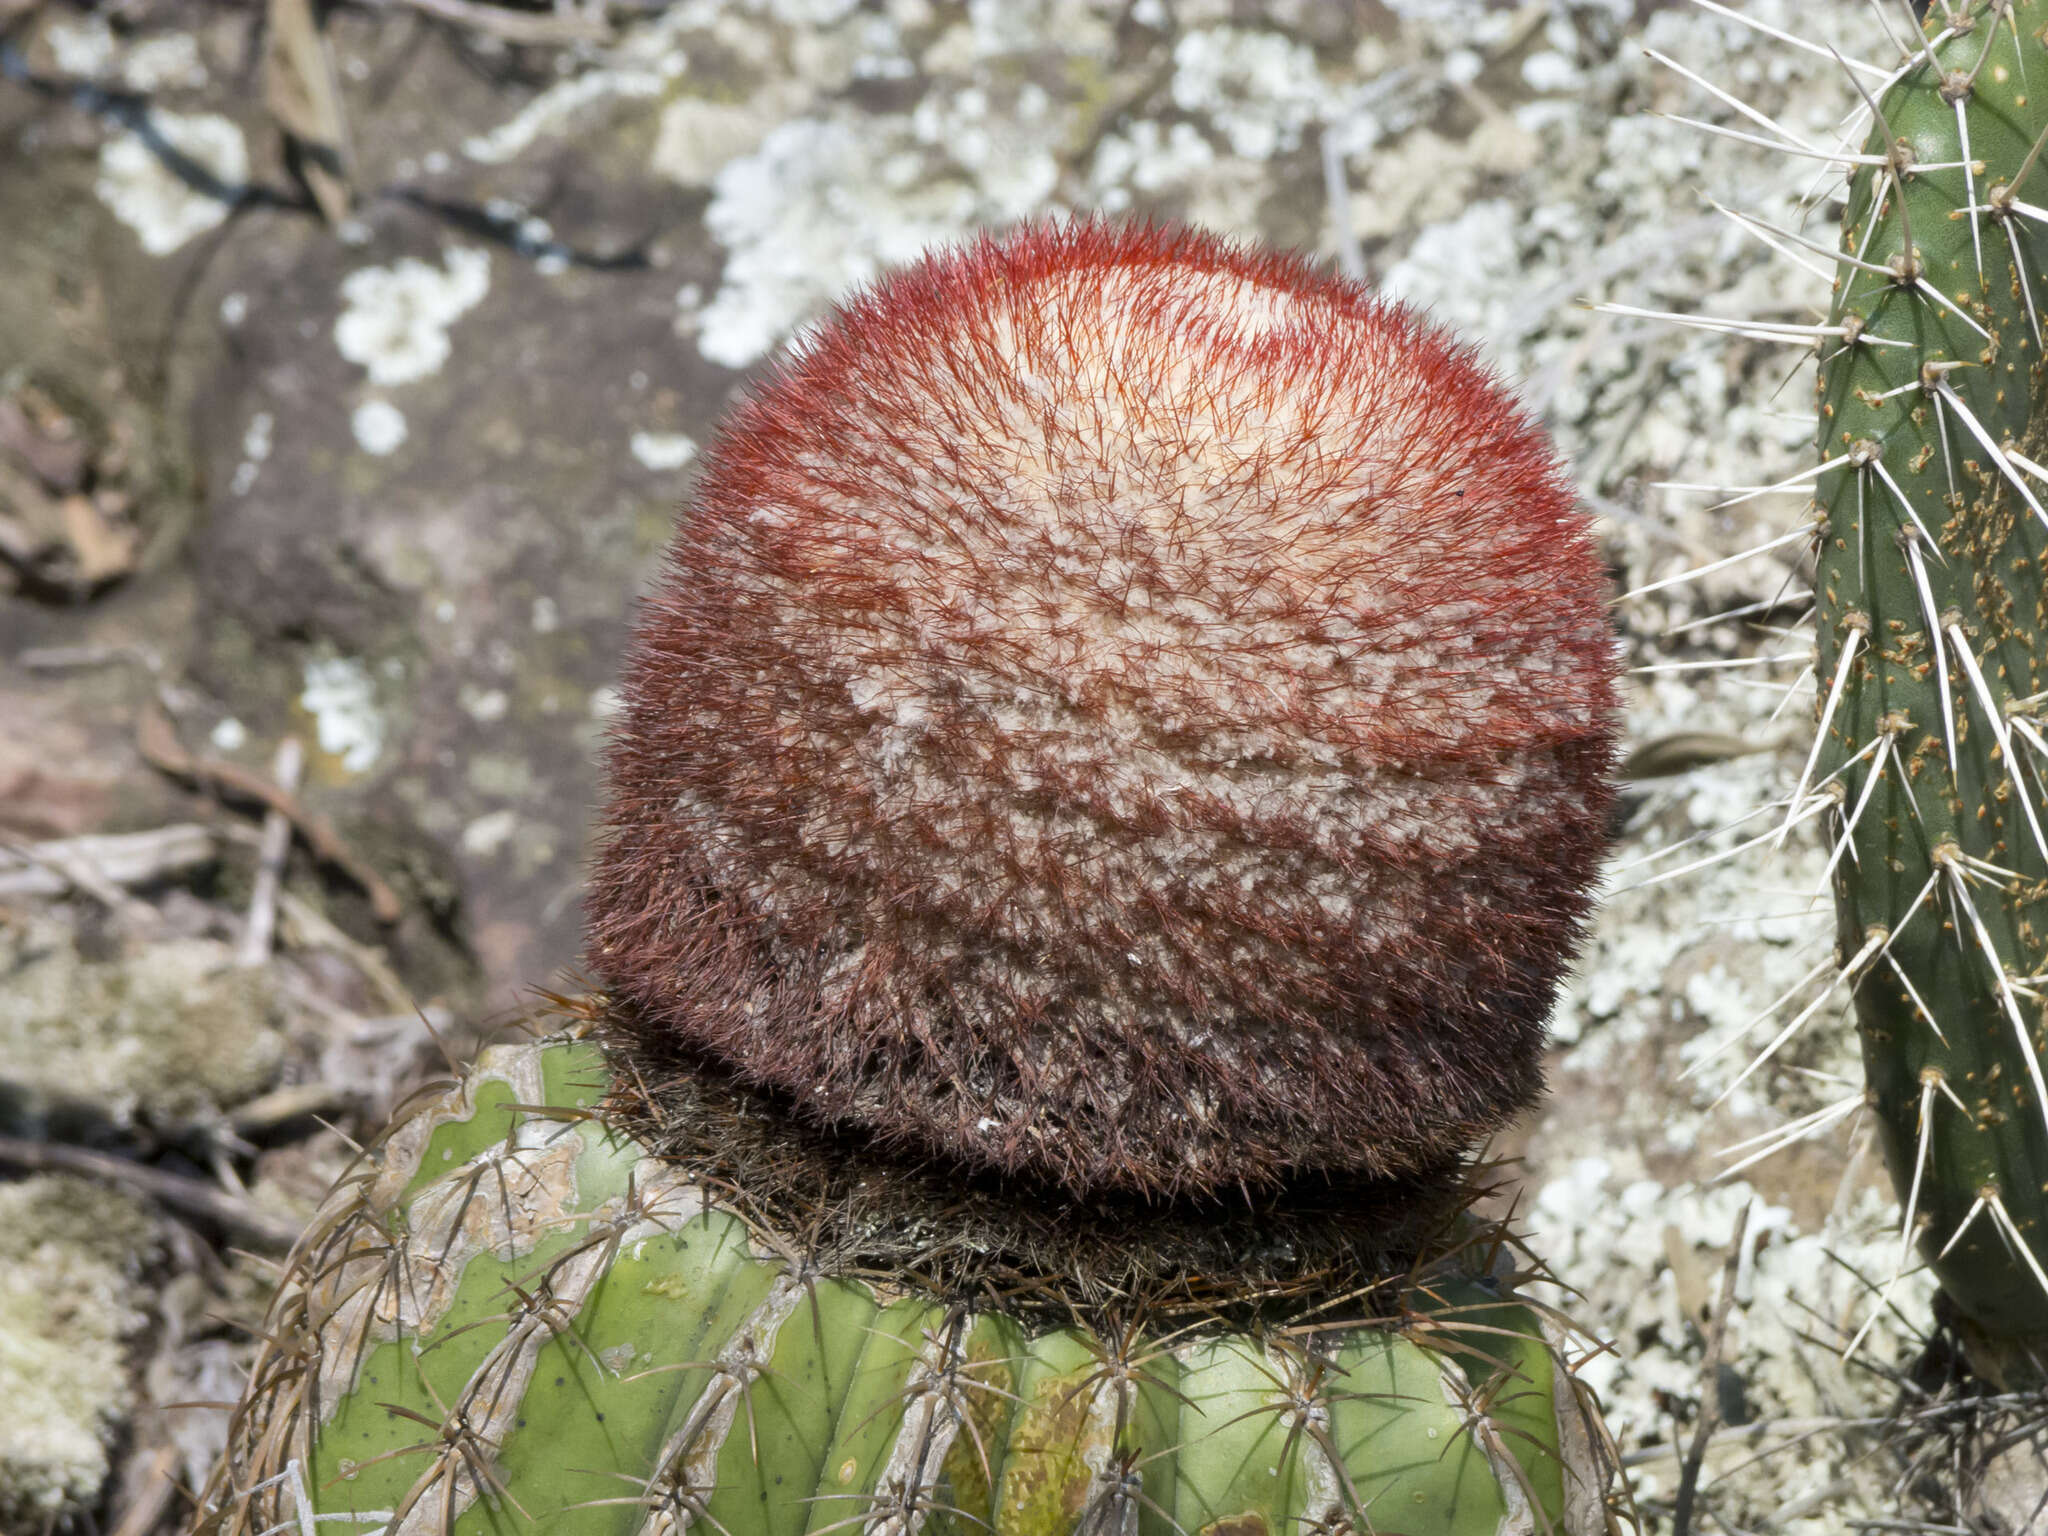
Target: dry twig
column 146, row 1510
column 275, row 847
column 181, row 1192
column 1710, row 1387
column 119, row 859
column 509, row 25
column 157, row 741
column 304, row 97
column 72, row 868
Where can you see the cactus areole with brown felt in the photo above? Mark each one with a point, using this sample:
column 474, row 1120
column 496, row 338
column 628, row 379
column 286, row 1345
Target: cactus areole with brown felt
column 1124, row 709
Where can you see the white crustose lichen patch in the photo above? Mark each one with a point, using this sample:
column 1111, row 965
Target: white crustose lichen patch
column 663, row 450
column 340, row 696
column 1259, row 88
column 825, row 201
column 379, row 427
column 396, row 322
column 173, row 176
column 555, row 107
column 256, row 441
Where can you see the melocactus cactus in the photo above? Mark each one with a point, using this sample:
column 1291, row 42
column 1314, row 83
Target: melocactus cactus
column 1122, row 709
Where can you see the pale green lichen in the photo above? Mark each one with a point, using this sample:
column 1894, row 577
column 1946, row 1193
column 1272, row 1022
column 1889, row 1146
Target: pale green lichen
column 70, row 1256
column 167, row 1034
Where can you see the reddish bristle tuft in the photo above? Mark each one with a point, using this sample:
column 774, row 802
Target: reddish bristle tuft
column 1122, row 708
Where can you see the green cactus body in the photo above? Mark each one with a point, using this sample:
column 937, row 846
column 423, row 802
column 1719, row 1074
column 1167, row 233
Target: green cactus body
column 1933, row 651
column 516, row 1319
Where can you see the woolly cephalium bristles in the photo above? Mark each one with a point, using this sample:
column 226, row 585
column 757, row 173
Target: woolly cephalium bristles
column 1121, row 708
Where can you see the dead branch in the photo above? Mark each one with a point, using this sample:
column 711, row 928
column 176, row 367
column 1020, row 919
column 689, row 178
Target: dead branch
column 125, row 859
column 157, row 740
column 180, row 1192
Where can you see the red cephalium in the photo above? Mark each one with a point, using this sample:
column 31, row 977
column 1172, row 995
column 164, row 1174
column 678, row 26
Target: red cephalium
column 1122, row 708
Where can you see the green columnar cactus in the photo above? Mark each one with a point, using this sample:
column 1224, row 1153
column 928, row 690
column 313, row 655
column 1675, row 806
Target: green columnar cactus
column 1933, row 656
column 516, row 1319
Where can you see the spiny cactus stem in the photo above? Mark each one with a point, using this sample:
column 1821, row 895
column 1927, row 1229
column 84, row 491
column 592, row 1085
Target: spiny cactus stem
column 1931, row 650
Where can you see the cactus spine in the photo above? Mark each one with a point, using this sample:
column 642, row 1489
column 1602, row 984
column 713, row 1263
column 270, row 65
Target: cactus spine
column 1932, row 660
column 516, row 1319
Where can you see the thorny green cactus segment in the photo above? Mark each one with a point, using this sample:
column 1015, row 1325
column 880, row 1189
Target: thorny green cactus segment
column 515, row 1320
column 1933, row 649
